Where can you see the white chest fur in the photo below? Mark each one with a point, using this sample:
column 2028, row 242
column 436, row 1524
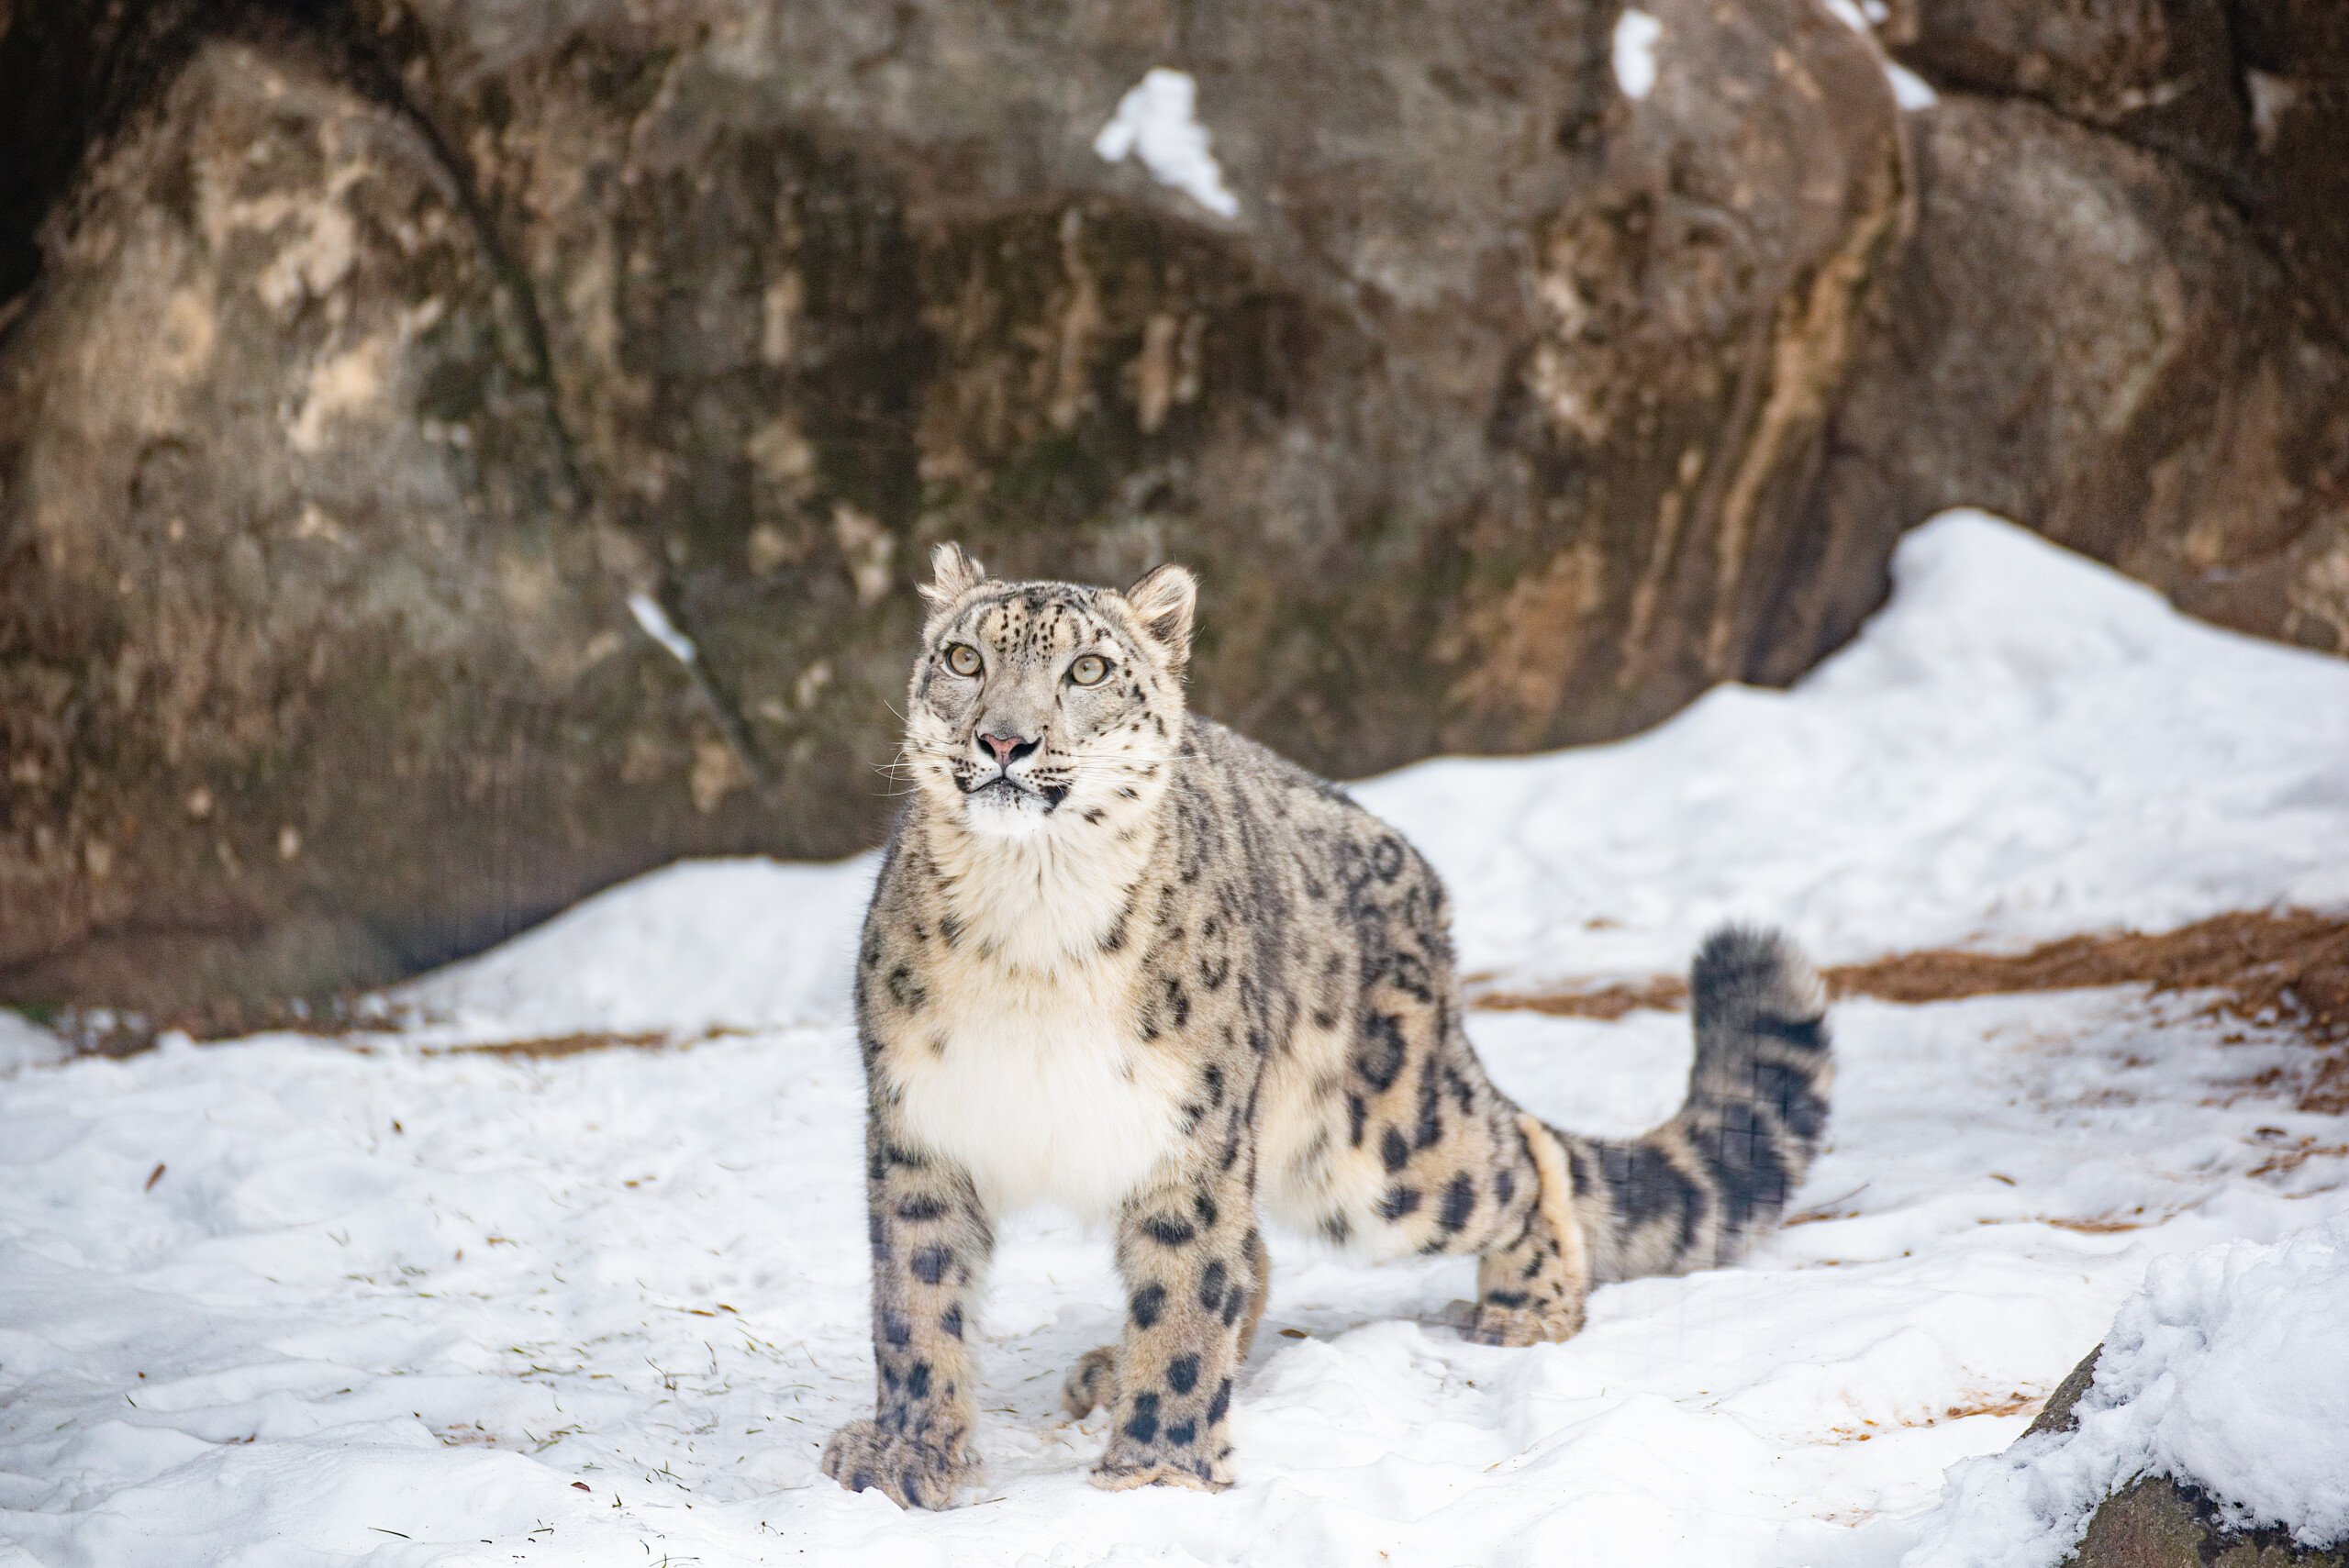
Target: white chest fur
column 1041, row 1090
column 1027, row 1068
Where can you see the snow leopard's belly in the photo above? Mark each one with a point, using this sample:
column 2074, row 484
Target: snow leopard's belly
column 1043, row 1087
column 1041, row 1090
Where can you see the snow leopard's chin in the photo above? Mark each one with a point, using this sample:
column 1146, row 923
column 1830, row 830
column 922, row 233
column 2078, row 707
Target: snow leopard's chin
column 1005, row 810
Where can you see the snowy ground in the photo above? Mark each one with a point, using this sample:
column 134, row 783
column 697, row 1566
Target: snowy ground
column 286, row 1301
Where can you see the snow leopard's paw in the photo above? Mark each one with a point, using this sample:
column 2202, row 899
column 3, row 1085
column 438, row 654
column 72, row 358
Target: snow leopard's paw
column 1092, row 1383
column 1522, row 1326
column 861, row 1457
column 1199, row 1474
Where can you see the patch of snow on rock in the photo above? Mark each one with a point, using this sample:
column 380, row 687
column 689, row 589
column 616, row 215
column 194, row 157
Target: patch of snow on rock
column 661, row 629
column 1636, row 33
column 2225, row 1372
column 1154, row 121
column 1910, row 91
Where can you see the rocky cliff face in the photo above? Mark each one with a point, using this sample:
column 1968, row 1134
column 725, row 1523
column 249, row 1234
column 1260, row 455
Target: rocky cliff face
column 2123, row 318
column 306, row 655
column 378, row 353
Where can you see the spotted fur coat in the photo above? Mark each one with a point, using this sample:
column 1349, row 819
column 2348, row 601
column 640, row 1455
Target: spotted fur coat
column 1121, row 958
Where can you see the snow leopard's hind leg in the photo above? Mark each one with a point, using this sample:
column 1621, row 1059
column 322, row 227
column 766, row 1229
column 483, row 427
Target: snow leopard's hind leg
column 1529, row 1286
column 1692, row 1194
column 1453, row 1166
column 1092, row 1383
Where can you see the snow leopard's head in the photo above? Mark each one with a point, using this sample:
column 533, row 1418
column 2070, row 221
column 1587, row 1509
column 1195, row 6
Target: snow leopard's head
column 1046, row 706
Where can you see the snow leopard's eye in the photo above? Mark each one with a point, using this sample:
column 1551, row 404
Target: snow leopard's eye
column 1089, row 671
column 962, row 659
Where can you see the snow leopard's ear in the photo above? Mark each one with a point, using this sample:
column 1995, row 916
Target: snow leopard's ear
column 951, row 575
column 1163, row 602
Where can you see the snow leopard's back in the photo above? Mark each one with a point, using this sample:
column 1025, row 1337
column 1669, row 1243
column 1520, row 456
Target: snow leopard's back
column 1377, row 1106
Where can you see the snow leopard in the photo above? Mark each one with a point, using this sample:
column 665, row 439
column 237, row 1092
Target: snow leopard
column 1120, row 958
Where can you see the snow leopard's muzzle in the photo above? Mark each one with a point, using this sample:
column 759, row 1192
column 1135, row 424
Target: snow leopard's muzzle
column 995, row 771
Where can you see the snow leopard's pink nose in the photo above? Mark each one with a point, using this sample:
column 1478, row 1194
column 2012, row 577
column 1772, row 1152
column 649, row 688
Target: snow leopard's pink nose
column 1008, row 748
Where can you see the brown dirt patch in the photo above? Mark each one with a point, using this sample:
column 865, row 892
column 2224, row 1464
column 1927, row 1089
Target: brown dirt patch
column 558, row 1045
column 2288, row 968
column 1663, row 992
column 2015, row 1404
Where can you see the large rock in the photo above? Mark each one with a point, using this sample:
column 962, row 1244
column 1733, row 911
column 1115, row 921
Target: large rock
column 357, row 393
column 2086, row 338
column 2250, row 96
column 2142, row 354
column 308, row 673
column 1482, row 418
column 2156, row 1522
column 2294, row 56
column 2161, row 73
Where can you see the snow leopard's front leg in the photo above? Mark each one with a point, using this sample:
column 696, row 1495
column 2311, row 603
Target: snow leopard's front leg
column 931, row 1245
column 1092, row 1383
column 1195, row 1268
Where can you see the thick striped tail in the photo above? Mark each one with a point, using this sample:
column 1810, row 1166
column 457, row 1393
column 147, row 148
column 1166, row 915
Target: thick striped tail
column 1694, row 1193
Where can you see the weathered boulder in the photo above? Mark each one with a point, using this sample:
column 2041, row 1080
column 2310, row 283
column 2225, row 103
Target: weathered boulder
column 2061, row 1413
column 2294, row 56
column 2159, row 73
column 1482, row 416
column 2251, row 96
column 358, row 391
column 2086, row 338
column 307, row 675
column 2156, row 1522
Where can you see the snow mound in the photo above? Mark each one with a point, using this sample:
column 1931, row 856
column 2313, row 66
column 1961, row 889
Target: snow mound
column 694, row 947
column 2224, row 1372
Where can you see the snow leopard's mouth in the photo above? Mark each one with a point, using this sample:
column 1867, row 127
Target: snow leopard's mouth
column 1003, row 790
